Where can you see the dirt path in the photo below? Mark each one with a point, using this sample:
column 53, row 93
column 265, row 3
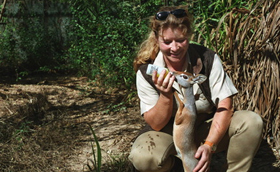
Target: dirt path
column 44, row 125
column 58, row 111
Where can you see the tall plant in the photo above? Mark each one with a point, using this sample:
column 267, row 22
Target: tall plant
column 209, row 15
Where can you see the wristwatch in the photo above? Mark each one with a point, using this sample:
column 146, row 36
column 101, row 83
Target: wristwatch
column 212, row 145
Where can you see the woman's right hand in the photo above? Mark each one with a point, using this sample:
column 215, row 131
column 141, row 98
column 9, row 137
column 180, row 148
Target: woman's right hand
column 164, row 82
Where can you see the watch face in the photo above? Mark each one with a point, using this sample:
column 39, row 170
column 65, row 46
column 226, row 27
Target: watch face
column 214, row 148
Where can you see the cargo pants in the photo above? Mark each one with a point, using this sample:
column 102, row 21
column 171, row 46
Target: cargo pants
column 154, row 151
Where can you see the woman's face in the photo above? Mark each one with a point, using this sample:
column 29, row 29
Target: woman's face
column 174, row 45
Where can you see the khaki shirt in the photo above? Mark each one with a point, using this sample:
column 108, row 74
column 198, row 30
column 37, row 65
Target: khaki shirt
column 220, row 84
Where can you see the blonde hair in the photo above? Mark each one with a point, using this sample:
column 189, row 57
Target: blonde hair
column 149, row 48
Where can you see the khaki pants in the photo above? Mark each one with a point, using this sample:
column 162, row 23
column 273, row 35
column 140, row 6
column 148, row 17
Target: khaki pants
column 153, row 151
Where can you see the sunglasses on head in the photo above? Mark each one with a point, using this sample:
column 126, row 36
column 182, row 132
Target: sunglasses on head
column 162, row 15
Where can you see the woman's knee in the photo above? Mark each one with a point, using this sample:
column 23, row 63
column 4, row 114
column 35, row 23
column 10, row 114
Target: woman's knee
column 249, row 117
column 247, row 122
column 151, row 151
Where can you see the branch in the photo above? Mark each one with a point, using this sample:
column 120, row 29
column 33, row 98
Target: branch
column 2, row 10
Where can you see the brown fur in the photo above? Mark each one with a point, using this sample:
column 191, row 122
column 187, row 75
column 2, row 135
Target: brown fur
column 183, row 133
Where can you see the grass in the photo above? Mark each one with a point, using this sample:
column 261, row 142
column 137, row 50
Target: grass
column 97, row 158
column 116, row 163
column 210, row 27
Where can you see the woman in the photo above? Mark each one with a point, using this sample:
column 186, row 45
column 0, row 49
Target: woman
column 218, row 127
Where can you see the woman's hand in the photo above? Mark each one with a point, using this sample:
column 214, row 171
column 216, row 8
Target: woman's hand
column 219, row 126
column 204, row 155
column 164, row 82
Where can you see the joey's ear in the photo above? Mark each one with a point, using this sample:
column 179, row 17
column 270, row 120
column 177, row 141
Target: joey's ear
column 198, row 67
column 199, row 78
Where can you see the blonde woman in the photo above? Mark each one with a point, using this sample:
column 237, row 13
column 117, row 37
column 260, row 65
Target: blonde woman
column 218, row 126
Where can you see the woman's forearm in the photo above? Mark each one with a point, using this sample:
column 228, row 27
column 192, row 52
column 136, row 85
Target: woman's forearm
column 158, row 116
column 221, row 121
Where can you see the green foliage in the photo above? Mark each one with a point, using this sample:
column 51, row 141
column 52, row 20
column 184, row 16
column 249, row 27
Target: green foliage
column 102, row 38
column 106, row 34
column 21, row 132
column 119, row 163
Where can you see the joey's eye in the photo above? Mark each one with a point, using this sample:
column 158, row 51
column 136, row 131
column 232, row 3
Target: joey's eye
column 185, row 77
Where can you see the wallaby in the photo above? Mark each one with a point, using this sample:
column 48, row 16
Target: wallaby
column 183, row 131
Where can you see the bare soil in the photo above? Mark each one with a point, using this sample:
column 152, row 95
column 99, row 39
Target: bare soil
column 45, row 126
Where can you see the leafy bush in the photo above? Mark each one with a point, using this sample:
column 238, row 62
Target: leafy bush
column 105, row 35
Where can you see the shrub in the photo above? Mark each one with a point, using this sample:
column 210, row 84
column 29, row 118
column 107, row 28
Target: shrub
column 105, row 35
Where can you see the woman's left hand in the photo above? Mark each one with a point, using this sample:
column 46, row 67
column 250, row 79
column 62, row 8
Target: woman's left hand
column 204, row 155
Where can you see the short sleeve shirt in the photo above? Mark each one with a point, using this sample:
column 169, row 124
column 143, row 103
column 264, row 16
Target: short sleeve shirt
column 220, row 85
